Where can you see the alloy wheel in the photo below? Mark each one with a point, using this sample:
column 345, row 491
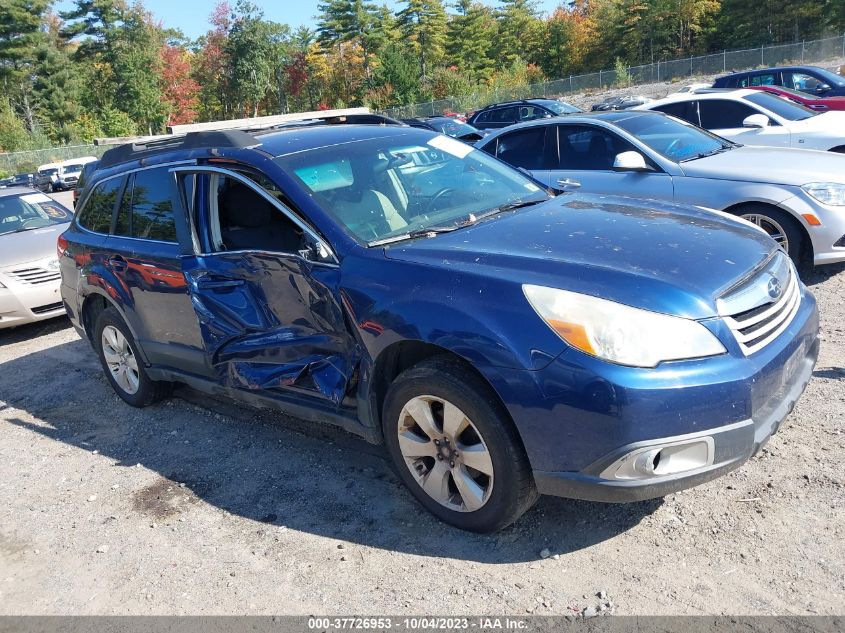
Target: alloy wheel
column 770, row 226
column 445, row 453
column 120, row 359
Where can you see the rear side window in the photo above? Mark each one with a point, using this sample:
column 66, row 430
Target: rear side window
column 152, row 206
column 685, row 110
column 504, row 115
column 97, row 213
column 524, row 148
column 765, row 79
column 721, row 114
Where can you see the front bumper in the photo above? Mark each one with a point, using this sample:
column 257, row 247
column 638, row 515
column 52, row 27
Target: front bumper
column 827, row 239
column 585, row 422
column 22, row 303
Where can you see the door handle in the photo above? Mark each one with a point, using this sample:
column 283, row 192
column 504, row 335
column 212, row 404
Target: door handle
column 117, row 262
column 217, row 283
column 568, row 183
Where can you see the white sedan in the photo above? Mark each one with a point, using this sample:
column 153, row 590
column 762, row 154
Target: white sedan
column 30, row 223
column 752, row 117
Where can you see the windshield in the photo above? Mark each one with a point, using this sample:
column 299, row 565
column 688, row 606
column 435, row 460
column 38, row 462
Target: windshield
column 48, row 172
column 831, row 78
column 73, row 167
column 788, row 110
column 560, row 107
column 451, row 127
column 672, row 138
column 385, row 187
column 32, row 211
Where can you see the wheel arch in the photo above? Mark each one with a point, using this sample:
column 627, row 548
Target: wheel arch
column 92, row 306
column 402, row 355
column 807, row 245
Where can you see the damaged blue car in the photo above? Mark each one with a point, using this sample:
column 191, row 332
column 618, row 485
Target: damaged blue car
column 499, row 341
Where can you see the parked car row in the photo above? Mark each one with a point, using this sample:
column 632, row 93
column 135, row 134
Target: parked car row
column 61, row 176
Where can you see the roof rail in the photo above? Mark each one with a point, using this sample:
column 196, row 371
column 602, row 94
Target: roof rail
column 262, row 122
column 193, row 140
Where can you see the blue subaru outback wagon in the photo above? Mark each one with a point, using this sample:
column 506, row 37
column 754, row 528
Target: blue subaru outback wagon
column 500, row 342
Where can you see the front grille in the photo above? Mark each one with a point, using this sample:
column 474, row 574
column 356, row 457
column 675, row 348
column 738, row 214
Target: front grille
column 50, row 307
column 34, row 276
column 754, row 316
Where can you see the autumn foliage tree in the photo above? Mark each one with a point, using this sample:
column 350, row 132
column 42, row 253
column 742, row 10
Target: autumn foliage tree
column 181, row 91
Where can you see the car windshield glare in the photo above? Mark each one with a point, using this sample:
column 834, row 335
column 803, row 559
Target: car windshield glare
column 672, row 138
column 452, row 127
column 381, row 188
column 785, row 109
column 559, row 107
column 31, row 211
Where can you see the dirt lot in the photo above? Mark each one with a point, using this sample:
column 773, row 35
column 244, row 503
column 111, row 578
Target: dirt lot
column 194, row 506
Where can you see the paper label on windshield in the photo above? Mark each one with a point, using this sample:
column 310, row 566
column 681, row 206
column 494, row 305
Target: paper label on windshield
column 450, row 146
column 35, row 198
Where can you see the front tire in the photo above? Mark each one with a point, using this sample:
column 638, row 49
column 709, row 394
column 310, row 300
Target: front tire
column 781, row 227
column 455, row 448
column 122, row 364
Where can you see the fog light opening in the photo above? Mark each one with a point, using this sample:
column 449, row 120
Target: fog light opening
column 663, row 460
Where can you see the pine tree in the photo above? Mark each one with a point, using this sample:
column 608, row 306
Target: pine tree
column 470, row 39
column 423, row 25
column 520, row 32
column 250, row 51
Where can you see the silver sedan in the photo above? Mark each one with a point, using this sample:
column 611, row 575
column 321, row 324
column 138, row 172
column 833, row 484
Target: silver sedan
column 797, row 196
column 30, row 224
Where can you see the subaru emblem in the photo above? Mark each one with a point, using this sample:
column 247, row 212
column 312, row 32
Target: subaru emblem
column 774, row 288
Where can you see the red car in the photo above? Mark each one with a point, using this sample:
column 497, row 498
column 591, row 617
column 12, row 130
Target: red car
column 822, row 104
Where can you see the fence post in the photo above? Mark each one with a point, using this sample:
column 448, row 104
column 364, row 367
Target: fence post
column 762, row 57
column 570, row 83
column 802, row 51
column 690, row 65
column 724, row 61
column 599, row 79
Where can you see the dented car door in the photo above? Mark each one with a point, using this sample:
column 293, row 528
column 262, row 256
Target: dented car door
column 270, row 321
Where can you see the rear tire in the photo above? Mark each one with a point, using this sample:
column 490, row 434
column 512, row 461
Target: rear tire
column 122, row 365
column 455, row 448
column 781, row 226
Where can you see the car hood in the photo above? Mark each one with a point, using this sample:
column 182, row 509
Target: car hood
column 781, row 166
column 652, row 255
column 29, row 246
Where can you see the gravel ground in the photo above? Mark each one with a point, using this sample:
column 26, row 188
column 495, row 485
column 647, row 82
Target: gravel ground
column 195, row 506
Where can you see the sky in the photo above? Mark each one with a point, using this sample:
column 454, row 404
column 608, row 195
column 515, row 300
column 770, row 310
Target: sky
column 191, row 16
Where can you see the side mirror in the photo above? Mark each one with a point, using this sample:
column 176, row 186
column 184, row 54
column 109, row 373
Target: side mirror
column 630, row 161
column 756, row 120
column 822, row 88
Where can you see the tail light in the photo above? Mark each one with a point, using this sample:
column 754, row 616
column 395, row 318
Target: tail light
column 61, row 246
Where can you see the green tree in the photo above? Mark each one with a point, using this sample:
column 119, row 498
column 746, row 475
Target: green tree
column 423, row 25
column 471, row 35
column 249, row 49
column 399, row 71
column 56, row 90
column 358, row 21
column 520, row 32
column 13, row 134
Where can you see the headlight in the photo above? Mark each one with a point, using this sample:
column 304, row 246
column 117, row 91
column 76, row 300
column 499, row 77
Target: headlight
column 832, row 193
column 619, row 333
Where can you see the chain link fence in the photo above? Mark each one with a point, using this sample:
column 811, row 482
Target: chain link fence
column 28, row 161
column 673, row 70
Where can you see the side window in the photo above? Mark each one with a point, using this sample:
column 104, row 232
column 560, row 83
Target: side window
column 589, row 148
column 529, row 113
column 241, row 219
column 719, row 114
column 685, row 110
column 524, row 148
column 97, row 214
column 152, row 206
column 484, row 117
column 504, row 115
column 801, row 81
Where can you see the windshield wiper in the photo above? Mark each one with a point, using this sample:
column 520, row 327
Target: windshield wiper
column 471, row 219
column 712, row 152
column 410, row 235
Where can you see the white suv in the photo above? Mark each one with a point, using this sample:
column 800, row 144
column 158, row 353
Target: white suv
column 752, row 117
